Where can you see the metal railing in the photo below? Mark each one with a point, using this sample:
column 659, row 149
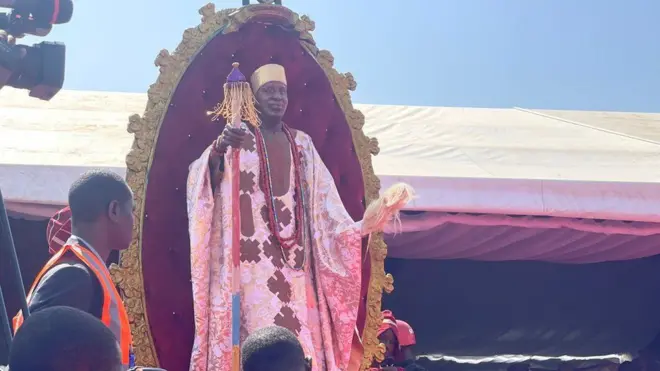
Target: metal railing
column 8, row 252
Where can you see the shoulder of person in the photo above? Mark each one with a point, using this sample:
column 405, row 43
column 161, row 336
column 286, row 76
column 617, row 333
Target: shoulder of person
column 69, row 270
column 69, row 283
column 302, row 138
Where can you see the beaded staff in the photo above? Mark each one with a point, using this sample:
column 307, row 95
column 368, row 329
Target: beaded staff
column 238, row 105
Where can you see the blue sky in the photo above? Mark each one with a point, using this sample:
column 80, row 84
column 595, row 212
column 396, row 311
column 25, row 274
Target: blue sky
column 557, row 54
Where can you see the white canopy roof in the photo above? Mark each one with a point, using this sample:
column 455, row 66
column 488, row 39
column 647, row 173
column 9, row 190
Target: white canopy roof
column 514, row 161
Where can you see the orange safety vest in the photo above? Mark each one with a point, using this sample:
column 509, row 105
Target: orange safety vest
column 114, row 313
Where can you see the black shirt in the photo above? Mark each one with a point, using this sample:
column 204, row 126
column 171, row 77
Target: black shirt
column 69, row 283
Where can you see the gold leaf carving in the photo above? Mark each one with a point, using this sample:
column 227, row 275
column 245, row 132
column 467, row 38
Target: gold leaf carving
column 207, row 12
column 350, row 81
column 305, row 25
column 145, row 129
column 380, row 357
column 374, row 147
column 327, row 61
column 389, row 283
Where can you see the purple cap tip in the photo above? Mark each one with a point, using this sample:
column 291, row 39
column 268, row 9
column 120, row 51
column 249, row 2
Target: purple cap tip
column 235, row 75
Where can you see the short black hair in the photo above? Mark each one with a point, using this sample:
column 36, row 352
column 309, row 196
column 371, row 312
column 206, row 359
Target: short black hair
column 63, row 339
column 272, row 349
column 92, row 193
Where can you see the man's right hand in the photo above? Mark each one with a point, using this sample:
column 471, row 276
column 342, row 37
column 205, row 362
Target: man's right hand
column 230, row 137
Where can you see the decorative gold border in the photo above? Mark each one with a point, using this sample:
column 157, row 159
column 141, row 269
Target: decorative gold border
column 146, row 127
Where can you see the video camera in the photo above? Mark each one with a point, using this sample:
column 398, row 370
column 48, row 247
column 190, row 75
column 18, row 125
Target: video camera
column 38, row 68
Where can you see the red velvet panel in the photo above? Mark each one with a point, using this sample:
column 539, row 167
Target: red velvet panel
column 186, row 131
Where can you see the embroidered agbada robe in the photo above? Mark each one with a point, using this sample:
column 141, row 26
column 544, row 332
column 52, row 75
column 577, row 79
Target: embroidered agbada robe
column 318, row 303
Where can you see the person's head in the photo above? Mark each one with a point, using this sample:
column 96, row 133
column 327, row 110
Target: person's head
column 270, row 89
column 58, row 230
column 102, row 204
column 388, row 335
column 273, row 349
column 64, row 339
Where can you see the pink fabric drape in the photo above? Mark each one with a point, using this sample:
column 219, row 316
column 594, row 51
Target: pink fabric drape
column 500, row 237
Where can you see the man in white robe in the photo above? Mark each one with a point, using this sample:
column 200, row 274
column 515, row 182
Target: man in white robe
column 299, row 270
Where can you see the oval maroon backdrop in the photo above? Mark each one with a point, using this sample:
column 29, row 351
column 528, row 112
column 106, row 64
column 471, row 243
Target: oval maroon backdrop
column 186, row 131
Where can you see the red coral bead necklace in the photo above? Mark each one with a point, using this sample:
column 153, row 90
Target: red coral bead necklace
column 267, row 188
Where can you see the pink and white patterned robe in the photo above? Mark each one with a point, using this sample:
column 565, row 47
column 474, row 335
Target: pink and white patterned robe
column 319, row 302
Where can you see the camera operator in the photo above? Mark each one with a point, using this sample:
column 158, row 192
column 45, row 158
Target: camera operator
column 38, row 68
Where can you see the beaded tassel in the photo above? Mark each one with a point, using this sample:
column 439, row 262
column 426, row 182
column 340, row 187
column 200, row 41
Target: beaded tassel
column 238, row 100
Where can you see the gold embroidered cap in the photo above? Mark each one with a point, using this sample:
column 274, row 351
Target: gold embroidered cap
column 266, row 74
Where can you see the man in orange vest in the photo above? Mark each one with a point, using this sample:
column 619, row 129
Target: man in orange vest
column 101, row 205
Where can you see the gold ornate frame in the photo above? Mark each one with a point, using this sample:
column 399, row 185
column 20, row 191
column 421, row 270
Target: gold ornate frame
column 146, row 128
